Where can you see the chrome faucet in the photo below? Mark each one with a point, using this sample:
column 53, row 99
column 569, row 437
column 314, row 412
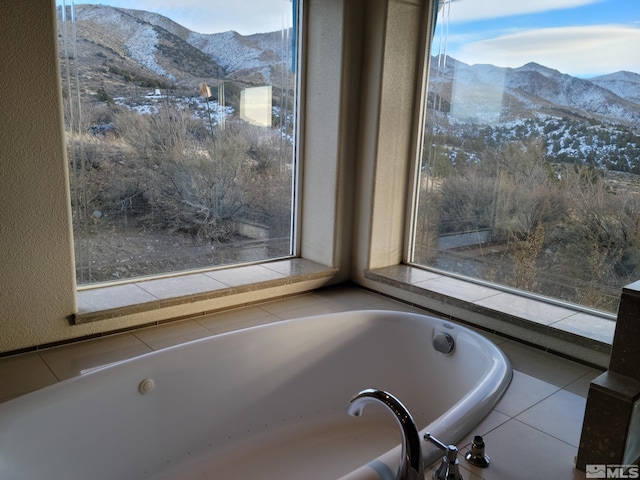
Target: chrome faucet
column 448, row 469
column 411, row 462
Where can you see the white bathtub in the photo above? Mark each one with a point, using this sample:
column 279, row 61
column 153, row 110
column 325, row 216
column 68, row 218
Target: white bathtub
column 268, row 402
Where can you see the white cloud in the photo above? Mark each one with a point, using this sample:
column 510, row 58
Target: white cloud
column 584, row 51
column 486, row 9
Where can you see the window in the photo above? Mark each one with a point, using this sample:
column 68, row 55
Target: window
column 529, row 173
column 181, row 128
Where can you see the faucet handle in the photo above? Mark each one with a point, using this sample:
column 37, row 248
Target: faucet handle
column 449, row 468
column 451, row 451
column 438, row 443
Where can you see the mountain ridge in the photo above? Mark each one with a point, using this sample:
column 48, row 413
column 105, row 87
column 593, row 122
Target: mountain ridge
column 117, row 45
column 614, row 97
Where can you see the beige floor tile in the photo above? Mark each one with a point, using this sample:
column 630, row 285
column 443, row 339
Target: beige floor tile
column 545, row 366
column 350, row 297
column 520, row 452
column 489, row 423
column 236, row 319
column 559, row 415
column 311, row 311
column 167, row 335
column 277, row 307
column 581, row 385
column 523, row 392
column 23, row 374
column 79, row 358
column 466, row 474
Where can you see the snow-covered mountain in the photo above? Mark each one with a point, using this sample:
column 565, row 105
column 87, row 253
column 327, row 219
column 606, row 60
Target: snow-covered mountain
column 624, row 84
column 244, row 56
column 536, row 88
column 116, row 46
column 238, row 54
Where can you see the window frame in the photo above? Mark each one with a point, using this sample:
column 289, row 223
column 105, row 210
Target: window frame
column 69, row 69
column 414, row 193
column 383, row 262
column 320, row 235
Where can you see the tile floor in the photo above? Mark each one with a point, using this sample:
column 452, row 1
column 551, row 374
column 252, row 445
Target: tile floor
column 532, row 433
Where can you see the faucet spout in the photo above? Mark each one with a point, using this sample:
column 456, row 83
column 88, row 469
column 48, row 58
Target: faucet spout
column 411, row 462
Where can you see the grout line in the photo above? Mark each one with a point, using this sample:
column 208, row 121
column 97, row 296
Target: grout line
column 547, row 434
column 49, row 367
column 143, row 342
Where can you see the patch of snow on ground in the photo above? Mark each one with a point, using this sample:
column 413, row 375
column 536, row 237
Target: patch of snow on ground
column 110, row 18
column 152, row 104
column 227, row 50
column 141, row 47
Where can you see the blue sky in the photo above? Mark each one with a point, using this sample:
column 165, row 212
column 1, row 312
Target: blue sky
column 579, row 37
column 214, row 16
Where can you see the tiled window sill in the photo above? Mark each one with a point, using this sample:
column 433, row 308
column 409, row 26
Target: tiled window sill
column 562, row 329
column 105, row 302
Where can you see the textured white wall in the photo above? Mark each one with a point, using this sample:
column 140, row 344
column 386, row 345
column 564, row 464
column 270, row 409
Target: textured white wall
column 37, row 282
column 389, row 103
column 321, row 107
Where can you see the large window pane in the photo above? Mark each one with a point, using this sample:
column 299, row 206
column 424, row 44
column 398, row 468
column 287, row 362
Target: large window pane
column 530, row 164
column 181, row 128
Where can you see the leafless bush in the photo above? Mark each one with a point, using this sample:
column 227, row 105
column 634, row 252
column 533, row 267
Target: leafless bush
column 602, row 245
column 164, row 171
column 556, row 230
column 526, row 195
column 527, row 247
column 427, row 224
column 467, row 201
